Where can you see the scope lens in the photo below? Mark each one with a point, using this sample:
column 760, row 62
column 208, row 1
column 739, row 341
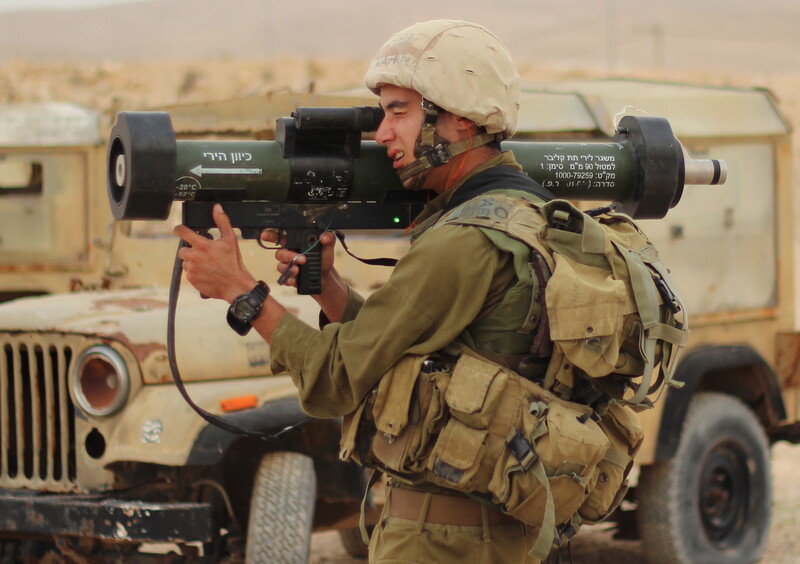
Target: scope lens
column 117, row 171
column 120, row 169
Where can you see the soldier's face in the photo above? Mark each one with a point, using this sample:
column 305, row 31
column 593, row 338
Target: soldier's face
column 401, row 125
column 399, row 132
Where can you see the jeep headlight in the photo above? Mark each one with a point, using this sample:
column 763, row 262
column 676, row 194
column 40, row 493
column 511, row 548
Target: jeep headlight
column 100, row 382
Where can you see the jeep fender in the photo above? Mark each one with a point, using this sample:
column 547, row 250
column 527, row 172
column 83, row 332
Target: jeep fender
column 737, row 370
column 297, row 431
column 271, row 418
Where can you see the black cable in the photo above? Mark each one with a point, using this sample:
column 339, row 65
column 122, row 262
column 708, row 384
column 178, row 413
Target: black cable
column 174, row 290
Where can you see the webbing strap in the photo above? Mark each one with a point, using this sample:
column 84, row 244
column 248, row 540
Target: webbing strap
column 670, row 334
column 544, row 540
column 362, row 519
column 515, row 217
column 647, row 348
column 592, row 236
column 678, row 319
column 647, row 301
column 644, row 291
column 617, row 457
column 383, row 261
column 427, row 134
column 440, row 154
column 663, row 272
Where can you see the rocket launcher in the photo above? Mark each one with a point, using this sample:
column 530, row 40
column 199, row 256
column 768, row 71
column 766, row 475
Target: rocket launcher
column 318, row 174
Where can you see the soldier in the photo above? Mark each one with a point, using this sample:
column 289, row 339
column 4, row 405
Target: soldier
column 450, row 93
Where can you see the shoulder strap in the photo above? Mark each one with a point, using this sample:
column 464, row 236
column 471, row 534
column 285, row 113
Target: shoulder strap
column 671, row 328
column 522, row 220
column 499, row 177
column 518, row 218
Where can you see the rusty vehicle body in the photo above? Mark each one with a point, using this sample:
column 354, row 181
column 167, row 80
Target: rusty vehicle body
column 77, row 482
column 100, row 456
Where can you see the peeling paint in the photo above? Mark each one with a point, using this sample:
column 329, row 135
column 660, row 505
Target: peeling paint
column 142, row 351
column 787, row 361
column 155, row 367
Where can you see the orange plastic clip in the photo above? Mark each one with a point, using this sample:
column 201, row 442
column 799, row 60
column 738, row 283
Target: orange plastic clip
column 236, row 404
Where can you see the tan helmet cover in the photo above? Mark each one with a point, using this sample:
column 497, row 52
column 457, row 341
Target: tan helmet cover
column 459, row 66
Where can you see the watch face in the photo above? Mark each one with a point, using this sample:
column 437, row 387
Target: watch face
column 245, row 310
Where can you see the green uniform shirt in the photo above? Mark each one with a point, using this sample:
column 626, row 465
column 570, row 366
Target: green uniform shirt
column 450, row 277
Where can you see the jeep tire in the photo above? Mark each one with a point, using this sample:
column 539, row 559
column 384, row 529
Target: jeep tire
column 282, row 510
column 712, row 502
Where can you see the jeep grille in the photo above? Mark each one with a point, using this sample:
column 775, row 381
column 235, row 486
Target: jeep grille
column 37, row 424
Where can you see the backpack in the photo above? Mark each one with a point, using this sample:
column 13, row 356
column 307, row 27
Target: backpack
column 611, row 318
column 551, row 443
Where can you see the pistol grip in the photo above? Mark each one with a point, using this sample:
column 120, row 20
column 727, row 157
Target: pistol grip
column 309, row 280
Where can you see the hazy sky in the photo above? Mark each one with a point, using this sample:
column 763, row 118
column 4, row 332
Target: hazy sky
column 20, row 5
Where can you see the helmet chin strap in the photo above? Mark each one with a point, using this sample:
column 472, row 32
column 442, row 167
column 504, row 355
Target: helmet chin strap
column 433, row 150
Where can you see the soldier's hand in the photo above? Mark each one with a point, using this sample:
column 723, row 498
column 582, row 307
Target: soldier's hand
column 215, row 266
column 289, row 260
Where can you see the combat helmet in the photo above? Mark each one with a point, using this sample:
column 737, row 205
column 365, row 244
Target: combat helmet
column 457, row 66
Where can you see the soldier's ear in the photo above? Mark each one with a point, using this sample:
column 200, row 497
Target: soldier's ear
column 465, row 124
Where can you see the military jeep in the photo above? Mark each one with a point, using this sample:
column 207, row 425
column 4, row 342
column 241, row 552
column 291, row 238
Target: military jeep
column 101, row 459
column 704, row 491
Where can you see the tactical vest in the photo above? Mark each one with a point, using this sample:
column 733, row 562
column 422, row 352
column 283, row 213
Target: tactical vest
column 503, row 334
column 605, row 325
column 611, row 311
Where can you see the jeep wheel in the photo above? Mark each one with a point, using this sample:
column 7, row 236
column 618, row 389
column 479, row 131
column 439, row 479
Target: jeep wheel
column 282, row 510
column 712, row 502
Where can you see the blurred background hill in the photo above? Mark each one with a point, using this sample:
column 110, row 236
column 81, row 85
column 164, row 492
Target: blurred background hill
column 150, row 53
column 610, row 35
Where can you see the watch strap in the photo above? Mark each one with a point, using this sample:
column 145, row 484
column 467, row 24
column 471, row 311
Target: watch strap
column 259, row 294
column 260, row 291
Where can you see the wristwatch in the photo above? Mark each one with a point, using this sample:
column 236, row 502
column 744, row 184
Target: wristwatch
column 245, row 308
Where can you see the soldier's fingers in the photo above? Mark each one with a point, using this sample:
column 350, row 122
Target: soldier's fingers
column 286, row 256
column 288, row 275
column 273, row 236
column 191, row 237
column 328, row 238
column 222, row 222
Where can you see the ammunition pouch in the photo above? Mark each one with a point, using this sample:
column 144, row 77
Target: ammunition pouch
column 481, row 429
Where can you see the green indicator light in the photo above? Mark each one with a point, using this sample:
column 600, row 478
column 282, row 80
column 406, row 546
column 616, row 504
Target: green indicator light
column 397, row 220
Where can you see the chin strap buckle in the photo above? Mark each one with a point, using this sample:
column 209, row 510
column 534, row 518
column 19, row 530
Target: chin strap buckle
column 438, row 155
